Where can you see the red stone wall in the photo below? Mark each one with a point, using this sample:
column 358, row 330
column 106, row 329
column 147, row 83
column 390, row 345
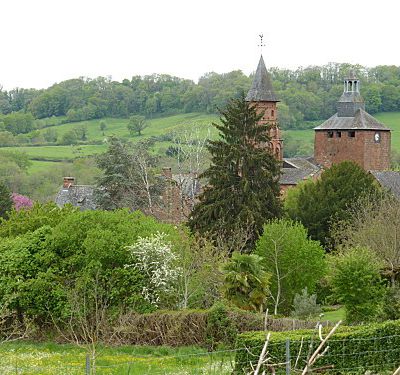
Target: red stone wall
column 270, row 118
column 362, row 149
column 377, row 155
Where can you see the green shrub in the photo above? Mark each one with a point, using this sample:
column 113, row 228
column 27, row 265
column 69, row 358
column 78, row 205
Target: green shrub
column 391, row 303
column 355, row 349
column 305, row 305
column 356, row 281
column 220, row 327
column 46, row 252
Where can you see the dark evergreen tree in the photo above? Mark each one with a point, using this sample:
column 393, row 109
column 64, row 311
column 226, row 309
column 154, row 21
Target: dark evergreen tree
column 5, row 200
column 321, row 203
column 242, row 188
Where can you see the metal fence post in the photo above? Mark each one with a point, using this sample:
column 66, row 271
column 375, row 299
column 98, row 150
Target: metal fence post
column 287, row 357
column 87, row 364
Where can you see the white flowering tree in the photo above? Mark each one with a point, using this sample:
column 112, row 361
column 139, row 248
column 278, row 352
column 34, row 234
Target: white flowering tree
column 153, row 256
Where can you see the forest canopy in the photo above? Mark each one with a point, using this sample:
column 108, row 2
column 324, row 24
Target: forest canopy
column 306, row 94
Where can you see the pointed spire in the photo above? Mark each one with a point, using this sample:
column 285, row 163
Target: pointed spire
column 261, row 89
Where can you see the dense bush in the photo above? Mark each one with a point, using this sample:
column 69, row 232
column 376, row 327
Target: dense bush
column 354, row 349
column 17, row 123
column 356, row 282
column 5, row 201
column 391, row 303
column 305, row 305
column 220, row 328
column 46, row 252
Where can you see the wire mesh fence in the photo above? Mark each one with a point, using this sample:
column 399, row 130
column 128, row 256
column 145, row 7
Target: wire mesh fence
column 378, row 355
column 347, row 356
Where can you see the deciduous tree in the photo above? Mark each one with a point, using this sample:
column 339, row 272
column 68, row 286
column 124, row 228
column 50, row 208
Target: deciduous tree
column 129, row 179
column 295, row 261
column 373, row 222
column 137, row 124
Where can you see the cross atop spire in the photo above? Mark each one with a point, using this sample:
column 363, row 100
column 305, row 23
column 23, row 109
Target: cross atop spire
column 261, row 45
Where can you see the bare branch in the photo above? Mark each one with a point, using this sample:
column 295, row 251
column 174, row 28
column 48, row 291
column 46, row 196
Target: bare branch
column 316, row 354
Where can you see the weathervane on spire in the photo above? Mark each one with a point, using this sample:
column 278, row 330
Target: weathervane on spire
column 261, row 45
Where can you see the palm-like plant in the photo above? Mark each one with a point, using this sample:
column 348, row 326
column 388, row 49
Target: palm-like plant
column 246, row 282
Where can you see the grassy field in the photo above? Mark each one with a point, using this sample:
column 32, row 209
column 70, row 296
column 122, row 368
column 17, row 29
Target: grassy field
column 42, row 155
column 392, row 120
column 49, row 358
column 335, row 315
column 156, row 127
column 59, row 153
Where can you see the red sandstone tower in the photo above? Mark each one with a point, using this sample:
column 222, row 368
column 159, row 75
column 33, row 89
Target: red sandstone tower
column 263, row 97
column 352, row 134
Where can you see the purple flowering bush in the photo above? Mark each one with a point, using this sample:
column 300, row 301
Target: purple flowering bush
column 21, row 202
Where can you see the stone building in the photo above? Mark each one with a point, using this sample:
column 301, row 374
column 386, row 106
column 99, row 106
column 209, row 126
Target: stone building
column 352, row 134
column 262, row 96
column 81, row 196
column 264, row 99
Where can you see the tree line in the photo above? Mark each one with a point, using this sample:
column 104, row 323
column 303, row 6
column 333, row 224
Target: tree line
column 306, row 94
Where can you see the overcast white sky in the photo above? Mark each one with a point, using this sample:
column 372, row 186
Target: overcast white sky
column 47, row 41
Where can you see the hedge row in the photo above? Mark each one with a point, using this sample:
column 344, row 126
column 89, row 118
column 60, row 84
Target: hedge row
column 207, row 328
column 352, row 350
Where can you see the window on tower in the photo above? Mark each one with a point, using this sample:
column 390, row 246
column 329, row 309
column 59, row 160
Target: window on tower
column 330, row 134
column 272, row 113
column 338, row 134
column 351, row 134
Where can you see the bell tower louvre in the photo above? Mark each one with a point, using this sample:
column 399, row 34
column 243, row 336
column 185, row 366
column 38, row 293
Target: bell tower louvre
column 262, row 96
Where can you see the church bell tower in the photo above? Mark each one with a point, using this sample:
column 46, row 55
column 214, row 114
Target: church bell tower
column 262, row 96
column 352, row 133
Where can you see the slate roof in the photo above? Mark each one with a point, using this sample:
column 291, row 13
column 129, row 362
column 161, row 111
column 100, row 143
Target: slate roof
column 389, row 180
column 296, row 170
column 261, row 89
column 361, row 121
column 78, row 195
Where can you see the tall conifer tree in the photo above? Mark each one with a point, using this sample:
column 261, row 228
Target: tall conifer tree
column 242, row 188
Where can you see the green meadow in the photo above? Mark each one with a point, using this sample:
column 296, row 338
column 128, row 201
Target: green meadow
column 48, row 359
column 156, row 127
column 44, row 157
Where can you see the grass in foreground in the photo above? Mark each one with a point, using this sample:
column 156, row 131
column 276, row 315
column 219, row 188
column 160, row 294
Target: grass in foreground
column 49, row 358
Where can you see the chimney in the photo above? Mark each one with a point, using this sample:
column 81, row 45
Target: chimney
column 68, row 181
column 167, row 172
